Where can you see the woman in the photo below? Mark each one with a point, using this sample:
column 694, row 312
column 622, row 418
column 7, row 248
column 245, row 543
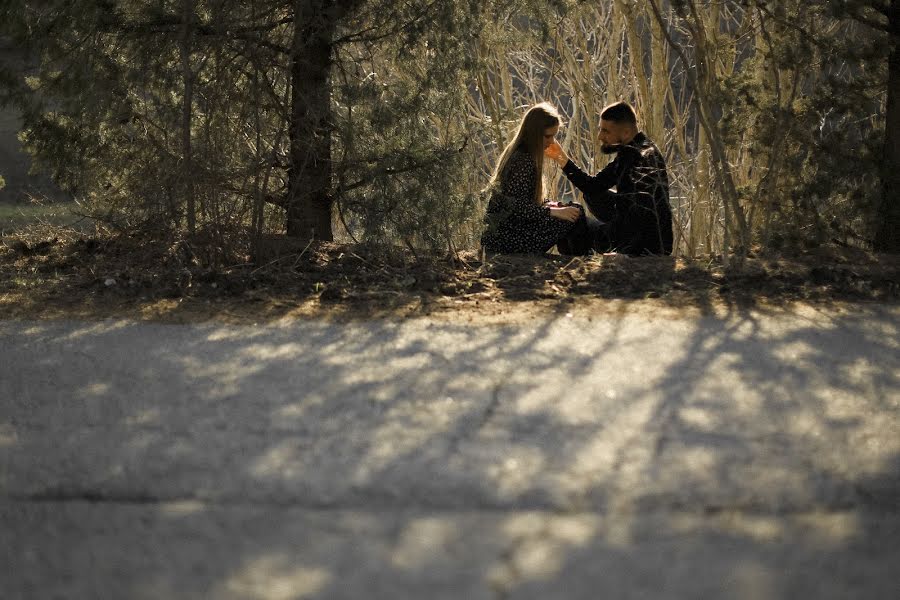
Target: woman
column 518, row 221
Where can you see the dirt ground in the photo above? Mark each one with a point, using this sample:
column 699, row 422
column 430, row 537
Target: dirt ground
column 59, row 274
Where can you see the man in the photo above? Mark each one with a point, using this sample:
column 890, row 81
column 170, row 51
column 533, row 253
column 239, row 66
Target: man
column 631, row 194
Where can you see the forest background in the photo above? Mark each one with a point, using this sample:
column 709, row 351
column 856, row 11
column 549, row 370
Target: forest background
column 226, row 123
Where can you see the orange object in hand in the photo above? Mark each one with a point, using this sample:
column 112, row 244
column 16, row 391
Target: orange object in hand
column 553, row 151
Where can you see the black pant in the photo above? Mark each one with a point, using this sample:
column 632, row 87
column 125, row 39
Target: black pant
column 587, row 234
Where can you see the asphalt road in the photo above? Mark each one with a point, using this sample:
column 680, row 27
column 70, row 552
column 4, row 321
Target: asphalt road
column 750, row 455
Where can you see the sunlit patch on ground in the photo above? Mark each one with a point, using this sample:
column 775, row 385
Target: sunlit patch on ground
column 67, row 274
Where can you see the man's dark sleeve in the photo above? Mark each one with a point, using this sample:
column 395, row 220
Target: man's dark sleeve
column 596, row 192
column 591, row 186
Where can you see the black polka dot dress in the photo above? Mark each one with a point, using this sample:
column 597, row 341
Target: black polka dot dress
column 515, row 222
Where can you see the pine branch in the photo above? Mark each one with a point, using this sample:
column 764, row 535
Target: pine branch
column 409, row 167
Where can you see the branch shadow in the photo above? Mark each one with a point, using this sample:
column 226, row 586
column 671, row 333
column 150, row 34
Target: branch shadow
column 753, row 451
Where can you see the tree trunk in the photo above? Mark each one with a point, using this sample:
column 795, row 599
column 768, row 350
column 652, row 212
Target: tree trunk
column 309, row 175
column 187, row 114
column 887, row 236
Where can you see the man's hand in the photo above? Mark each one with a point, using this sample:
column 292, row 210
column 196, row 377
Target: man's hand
column 565, row 213
column 555, row 152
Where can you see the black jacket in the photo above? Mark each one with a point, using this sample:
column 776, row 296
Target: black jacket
column 638, row 211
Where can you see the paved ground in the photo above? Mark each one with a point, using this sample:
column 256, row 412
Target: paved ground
column 746, row 456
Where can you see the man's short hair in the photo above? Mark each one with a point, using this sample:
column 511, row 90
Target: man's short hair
column 619, row 112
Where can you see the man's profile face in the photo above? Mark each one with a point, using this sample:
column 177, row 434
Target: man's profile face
column 613, row 135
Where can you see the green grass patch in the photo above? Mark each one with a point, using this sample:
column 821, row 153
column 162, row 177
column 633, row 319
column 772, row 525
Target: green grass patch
column 15, row 217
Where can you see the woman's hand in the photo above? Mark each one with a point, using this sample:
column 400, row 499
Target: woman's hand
column 555, row 152
column 565, row 213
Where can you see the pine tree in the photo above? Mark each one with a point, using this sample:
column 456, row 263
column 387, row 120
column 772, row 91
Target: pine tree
column 193, row 113
column 887, row 236
column 866, row 45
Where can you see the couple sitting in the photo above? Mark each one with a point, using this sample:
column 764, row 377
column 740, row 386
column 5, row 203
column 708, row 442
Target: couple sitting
column 629, row 199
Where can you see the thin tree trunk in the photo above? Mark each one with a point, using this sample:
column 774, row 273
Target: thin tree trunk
column 703, row 209
column 617, row 31
column 309, row 175
column 636, row 61
column 186, row 114
column 258, row 192
column 887, row 236
column 659, row 82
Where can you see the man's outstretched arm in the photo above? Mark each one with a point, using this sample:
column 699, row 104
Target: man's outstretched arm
column 587, row 184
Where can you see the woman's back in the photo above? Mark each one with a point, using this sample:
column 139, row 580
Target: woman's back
column 518, row 178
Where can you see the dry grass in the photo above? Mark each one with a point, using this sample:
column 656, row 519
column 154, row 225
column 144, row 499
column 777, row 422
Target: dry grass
column 19, row 216
column 67, row 275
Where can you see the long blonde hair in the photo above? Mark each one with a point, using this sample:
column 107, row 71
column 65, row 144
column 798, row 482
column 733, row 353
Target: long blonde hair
column 530, row 134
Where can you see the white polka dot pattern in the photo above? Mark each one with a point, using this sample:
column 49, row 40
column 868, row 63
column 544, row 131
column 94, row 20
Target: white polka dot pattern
column 516, row 223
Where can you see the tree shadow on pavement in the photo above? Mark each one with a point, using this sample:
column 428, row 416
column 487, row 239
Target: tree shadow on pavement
column 749, row 454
